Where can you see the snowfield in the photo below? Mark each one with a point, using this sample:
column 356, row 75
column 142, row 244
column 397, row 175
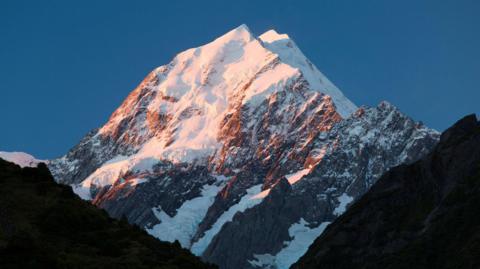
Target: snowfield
column 21, row 158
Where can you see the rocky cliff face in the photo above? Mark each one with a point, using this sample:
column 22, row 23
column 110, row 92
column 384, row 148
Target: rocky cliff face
column 239, row 140
column 422, row 215
column 355, row 153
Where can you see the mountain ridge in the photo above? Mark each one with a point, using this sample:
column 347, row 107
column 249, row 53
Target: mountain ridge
column 420, row 215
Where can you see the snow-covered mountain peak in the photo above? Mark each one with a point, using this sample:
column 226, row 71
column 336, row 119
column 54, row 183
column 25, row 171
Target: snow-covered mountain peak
column 386, row 105
column 20, row 158
column 289, row 53
column 239, row 128
column 178, row 109
column 242, row 32
column 193, row 109
column 272, row 36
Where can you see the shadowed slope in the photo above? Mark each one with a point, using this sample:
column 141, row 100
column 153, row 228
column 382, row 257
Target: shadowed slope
column 45, row 225
column 423, row 215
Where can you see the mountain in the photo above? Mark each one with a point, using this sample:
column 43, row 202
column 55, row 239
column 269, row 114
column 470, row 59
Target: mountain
column 356, row 152
column 422, row 215
column 45, row 225
column 20, row 158
column 241, row 149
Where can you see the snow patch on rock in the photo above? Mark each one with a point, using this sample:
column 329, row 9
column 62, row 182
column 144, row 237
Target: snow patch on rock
column 82, row 191
column 344, row 200
column 303, row 236
column 184, row 224
column 136, row 181
column 293, row 178
column 245, row 202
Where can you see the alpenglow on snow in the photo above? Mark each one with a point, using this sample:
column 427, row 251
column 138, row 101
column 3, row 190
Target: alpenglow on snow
column 241, row 149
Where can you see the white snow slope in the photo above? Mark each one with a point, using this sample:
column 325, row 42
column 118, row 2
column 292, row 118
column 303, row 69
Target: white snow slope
column 205, row 83
column 246, row 202
column 20, row 158
column 303, row 237
column 183, row 225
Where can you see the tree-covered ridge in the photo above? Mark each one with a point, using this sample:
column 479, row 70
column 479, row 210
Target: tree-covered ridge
column 45, row 225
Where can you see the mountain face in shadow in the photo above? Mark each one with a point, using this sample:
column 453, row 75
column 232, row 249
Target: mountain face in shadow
column 422, row 215
column 45, row 225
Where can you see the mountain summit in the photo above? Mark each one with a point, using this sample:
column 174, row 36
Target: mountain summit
column 179, row 107
column 239, row 149
column 186, row 111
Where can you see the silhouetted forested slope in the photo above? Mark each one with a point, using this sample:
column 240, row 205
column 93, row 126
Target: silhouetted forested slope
column 45, row 225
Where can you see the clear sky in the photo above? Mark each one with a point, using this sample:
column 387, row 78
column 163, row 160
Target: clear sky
column 66, row 65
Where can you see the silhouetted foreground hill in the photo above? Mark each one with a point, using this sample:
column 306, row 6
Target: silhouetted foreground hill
column 45, row 225
column 423, row 215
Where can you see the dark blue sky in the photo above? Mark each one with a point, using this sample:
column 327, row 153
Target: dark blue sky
column 66, row 65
